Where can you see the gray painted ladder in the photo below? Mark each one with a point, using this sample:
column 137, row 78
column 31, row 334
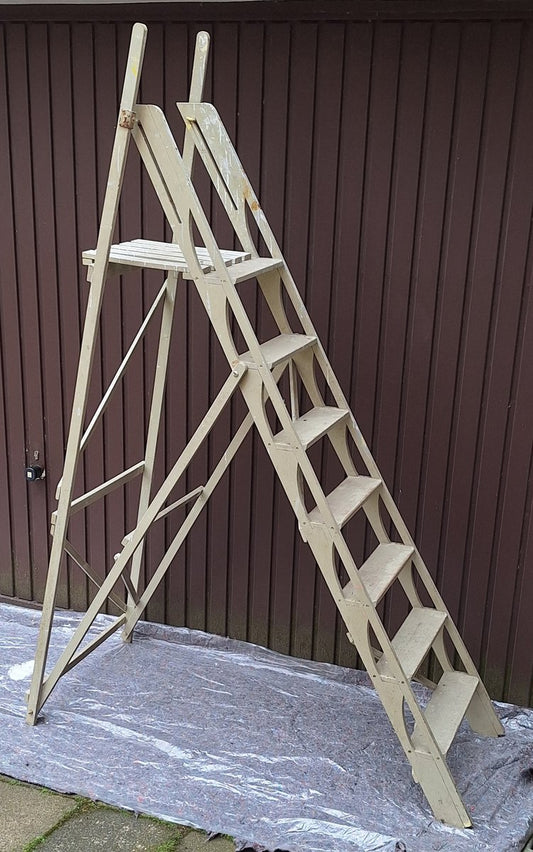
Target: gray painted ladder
column 295, row 401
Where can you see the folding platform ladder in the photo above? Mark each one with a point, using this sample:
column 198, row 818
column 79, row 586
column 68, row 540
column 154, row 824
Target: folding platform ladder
column 295, row 401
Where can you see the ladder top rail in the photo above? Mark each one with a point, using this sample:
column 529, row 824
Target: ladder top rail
column 133, row 66
column 199, row 69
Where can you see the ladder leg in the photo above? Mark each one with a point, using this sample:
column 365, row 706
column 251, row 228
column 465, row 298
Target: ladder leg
column 439, row 788
column 197, row 85
column 109, row 215
column 153, row 425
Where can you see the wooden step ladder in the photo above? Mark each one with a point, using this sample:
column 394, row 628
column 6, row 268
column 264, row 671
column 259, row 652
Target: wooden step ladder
column 295, row 401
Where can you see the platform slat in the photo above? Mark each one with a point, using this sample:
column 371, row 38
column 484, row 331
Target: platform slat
column 150, row 254
column 248, row 269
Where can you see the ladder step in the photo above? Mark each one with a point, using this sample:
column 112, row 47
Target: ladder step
column 447, row 707
column 380, row 570
column 279, row 349
column 347, row 498
column 248, row 269
column 413, row 640
column 311, row 426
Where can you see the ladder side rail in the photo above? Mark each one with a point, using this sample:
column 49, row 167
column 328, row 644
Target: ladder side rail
column 107, row 226
column 210, row 136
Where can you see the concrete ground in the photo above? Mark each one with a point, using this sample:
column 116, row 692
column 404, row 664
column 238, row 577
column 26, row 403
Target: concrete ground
column 32, row 818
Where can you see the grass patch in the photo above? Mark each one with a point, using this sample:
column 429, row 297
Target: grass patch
column 170, row 845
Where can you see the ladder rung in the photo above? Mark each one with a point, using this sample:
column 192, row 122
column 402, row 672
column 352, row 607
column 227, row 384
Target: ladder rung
column 312, row 426
column 381, row 569
column 347, row 498
column 413, row 640
column 279, row 349
column 446, row 708
column 248, row 269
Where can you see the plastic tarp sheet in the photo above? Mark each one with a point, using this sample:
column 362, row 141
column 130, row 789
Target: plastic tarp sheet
column 283, row 753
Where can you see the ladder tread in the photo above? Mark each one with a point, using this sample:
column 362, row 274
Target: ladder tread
column 447, row 707
column 151, row 254
column 347, row 498
column 414, row 639
column 380, row 570
column 249, row 269
column 312, row 426
column 279, row 349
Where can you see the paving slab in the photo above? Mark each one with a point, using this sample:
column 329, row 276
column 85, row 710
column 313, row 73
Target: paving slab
column 196, row 841
column 114, row 831
column 27, row 812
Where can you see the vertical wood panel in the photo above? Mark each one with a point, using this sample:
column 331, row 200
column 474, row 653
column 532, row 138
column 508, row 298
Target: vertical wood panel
column 393, row 162
column 300, row 123
column 9, row 356
column 18, row 269
column 457, row 229
column 495, row 478
column 175, row 79
column 499, row 105
column 322, row 221
column 398, row 272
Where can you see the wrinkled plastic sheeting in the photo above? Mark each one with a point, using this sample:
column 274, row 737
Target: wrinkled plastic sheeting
column 232, row 738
